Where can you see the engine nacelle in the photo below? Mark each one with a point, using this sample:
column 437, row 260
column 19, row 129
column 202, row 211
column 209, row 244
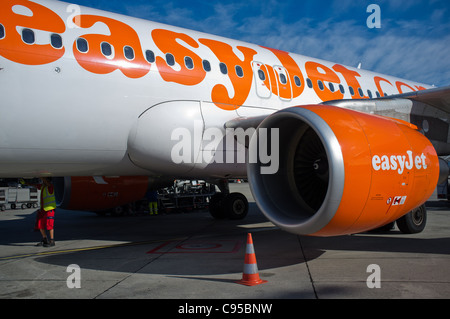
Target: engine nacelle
column 98, row 193
column 342, row 171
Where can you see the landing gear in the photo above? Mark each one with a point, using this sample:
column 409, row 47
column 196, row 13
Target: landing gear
column 414, row 222
column 228, row 205
column 233, row 206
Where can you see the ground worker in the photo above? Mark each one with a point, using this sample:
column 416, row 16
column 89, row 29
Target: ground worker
column 152, row 197
column 45, row 219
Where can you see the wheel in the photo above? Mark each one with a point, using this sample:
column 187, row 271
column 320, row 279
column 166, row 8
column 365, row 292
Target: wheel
column 414, row 222
column 215, row 206
column 236, row 206
column 117, row 211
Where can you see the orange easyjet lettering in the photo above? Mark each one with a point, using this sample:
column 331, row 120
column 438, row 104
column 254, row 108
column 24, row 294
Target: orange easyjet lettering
column 167, row 42
column 377, row 80
column 122, row 37
column 351, row 79
column 13, row 48
column 319, row 72
column 120, row 49
column 400, row 86
column 241, row 85
column 288, row 62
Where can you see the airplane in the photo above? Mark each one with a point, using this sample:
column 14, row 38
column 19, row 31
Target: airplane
column 110, row 106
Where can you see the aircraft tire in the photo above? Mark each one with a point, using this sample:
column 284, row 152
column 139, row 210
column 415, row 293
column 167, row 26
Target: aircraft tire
column 236, row 206
column 215, row 206
column 117, row 211
column 414, row 222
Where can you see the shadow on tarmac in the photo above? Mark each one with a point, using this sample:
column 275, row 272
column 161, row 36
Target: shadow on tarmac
column 142, row 233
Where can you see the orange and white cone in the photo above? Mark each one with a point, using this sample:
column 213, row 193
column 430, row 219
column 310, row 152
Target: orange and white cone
column 250, row 276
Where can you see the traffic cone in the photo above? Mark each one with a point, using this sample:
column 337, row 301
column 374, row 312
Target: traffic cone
column 250, row 276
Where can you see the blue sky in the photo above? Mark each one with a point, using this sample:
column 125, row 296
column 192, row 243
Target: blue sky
column 413, row 41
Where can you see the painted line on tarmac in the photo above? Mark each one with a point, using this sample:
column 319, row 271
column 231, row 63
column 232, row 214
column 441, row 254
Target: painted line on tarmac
column 56, row 252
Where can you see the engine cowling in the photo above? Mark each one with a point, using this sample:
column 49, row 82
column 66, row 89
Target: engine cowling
column 98, row 193
column 341, row 171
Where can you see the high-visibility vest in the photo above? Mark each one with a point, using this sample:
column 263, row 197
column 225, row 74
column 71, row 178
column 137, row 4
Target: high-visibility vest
column 48, row 200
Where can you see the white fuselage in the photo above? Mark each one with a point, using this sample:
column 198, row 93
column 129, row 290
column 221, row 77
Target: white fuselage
column 76, row 115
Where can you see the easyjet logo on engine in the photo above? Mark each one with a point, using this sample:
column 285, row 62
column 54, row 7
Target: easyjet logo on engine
column 399, row 163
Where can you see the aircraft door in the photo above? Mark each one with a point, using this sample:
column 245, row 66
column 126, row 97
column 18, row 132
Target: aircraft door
column 284, row 83
column 262, row 80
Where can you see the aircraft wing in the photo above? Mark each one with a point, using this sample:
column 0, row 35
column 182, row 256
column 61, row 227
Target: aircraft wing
column 438, row 98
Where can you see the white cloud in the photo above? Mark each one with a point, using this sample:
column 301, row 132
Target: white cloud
column 407, row 48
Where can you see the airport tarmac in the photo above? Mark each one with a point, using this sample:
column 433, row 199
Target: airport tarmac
column 192, row 256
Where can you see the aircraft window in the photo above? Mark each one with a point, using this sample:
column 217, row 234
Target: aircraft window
column 56, row 41
column 341, row 88
column 369, row 93
column 206, row 66
column 261, row 75
column 331, row 86
column 28, row 36
column 378, row 94
column 239, row 71
column 309, row 83
column 82, row 45
column 106, row 49
column 352, row 92
column 2, row 31
column 320, row 83
column 189, row 63
column 223, row 68
column 361, row 94
column 150, row 56
column 283, row 79
column 128, row 52
column 297, row 81
column 170, row 59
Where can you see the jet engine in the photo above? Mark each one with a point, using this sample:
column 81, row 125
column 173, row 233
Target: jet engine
column 98, row 193
column 340, row 171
